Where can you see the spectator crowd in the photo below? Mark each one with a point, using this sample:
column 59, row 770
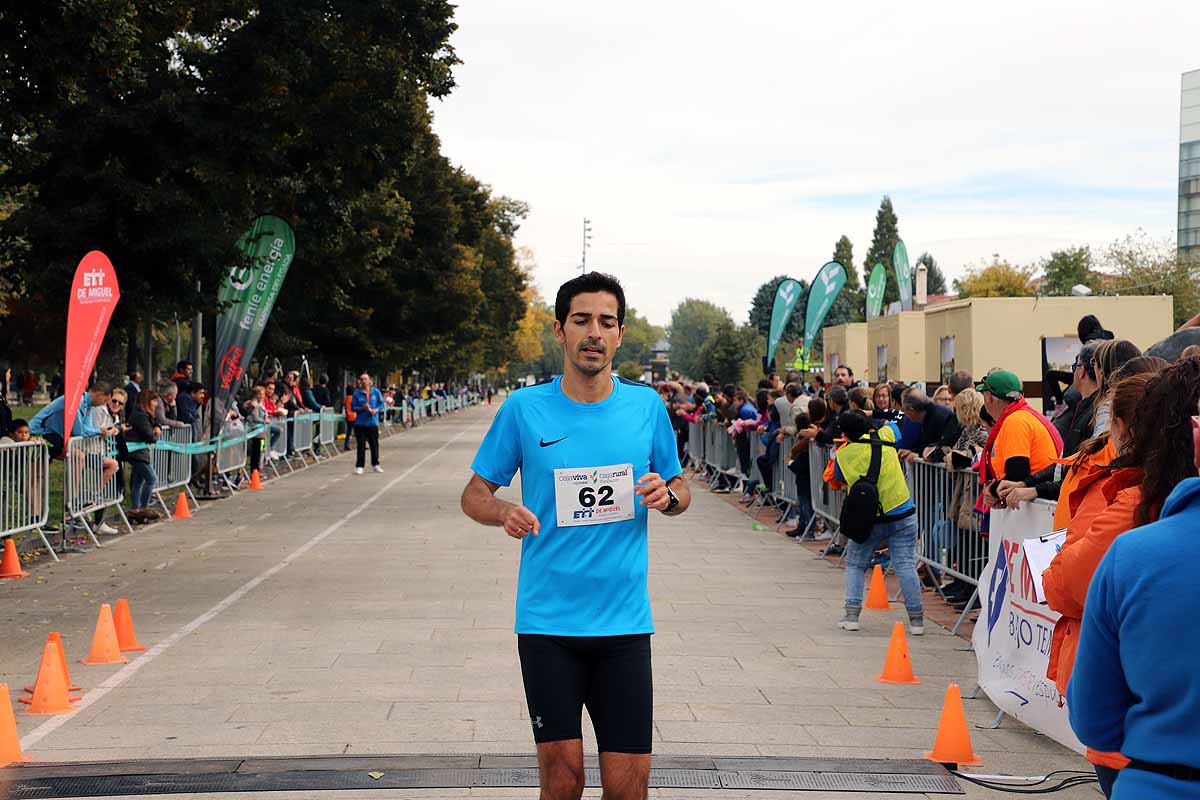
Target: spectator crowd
column 1117, row 455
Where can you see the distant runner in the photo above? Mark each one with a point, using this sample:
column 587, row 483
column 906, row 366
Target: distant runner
column 587, row 444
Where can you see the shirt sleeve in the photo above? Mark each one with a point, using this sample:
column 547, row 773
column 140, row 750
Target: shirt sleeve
column 1098, row 696
column 664, row 450
column 499, row 455
column 83, row 419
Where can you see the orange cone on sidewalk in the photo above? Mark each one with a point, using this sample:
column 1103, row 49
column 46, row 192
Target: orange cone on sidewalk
column 51, row 694
column 10, row 564
column 877, row 598
column 256, row 481
column 126, row 637
column 10, row 742
column 182, row 510
column 897, row 668
column 105, row 649
column 56, row 637
column 953, row 742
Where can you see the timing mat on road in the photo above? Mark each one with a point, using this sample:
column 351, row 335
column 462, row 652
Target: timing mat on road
column 349, row 772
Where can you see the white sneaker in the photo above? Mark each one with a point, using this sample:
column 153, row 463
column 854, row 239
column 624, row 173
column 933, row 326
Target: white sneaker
column 358, row 470
column 105, row 528
column 377, row 468
column 848, row 624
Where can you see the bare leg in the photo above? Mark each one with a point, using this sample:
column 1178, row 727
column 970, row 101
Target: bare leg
column 625, row 776
column 561, row 767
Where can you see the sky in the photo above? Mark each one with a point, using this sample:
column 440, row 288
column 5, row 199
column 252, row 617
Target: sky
column 714, row 145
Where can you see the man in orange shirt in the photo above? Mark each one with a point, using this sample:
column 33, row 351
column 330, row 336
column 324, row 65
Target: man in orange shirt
column 1021, row 442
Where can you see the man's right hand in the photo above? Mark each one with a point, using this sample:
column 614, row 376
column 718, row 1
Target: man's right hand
column 519, row 521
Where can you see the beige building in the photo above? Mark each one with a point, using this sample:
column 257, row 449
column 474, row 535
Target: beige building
column 979, row 334
column 895, row 347
column 846, row 345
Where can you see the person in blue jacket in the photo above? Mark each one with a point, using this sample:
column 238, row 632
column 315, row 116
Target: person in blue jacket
column 48, row 423
column 1136, row 684
column 367, row 405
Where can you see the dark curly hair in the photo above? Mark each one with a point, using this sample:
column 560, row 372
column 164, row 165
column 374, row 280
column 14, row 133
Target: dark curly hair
column 1163, row 447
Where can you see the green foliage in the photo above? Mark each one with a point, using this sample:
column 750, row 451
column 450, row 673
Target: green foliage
column 156, row 130
column 764, row 303
column 640, row 338
column 850, row 305
column 1140, row 265
column 998, row 279
column 935, row 280
column 692, row 322
column 630, row 370
column 728, row 350
column 1066, row 268
column 883, row 245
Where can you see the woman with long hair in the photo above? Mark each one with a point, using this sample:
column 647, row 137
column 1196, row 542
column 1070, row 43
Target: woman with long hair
column 884, row 408
column 1150, row 431
column 142, row 430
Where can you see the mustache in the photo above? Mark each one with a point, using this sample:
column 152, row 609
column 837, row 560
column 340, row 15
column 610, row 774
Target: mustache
column 597, row 343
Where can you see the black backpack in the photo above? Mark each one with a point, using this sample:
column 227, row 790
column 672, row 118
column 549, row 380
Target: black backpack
column 862, row 504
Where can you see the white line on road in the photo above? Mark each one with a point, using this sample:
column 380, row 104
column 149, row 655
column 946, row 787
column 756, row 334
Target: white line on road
column 164, row 565
column 263, row 516
column 128, row 671
column 207, row 544
column 238, row 529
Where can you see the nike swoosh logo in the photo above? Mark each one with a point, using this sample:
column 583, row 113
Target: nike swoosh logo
column 544, row 443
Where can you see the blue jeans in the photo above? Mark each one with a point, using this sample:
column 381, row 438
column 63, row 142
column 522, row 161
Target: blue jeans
column 901, row 537
column 141, row 484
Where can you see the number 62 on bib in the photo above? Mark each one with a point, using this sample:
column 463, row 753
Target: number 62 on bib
column 594, row 495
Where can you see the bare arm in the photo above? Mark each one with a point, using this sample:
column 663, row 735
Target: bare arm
column 653, row 490
column 479, row 502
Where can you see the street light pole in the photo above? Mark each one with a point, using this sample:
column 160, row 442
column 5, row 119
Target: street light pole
column 587, row 237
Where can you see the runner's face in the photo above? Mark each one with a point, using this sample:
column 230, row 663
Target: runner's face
column 591, row 335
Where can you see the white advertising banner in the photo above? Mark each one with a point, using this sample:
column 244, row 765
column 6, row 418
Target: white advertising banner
column 1012, row 637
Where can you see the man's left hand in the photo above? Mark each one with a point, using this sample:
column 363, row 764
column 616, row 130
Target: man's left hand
column 653, row 491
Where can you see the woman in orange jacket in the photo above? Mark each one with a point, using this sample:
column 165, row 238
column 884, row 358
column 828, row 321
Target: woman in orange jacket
column 1106, row 502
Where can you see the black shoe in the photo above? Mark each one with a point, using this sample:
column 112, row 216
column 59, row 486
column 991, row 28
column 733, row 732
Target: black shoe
column 794, row 532
column 961, row 606
column 836, row 550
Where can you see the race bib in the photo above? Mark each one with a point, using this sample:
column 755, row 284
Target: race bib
column 594, row 495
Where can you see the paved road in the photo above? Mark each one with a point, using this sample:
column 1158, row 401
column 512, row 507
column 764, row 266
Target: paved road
column 342, row 614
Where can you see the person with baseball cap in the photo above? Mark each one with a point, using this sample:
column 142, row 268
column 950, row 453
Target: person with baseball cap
column 1021, row 442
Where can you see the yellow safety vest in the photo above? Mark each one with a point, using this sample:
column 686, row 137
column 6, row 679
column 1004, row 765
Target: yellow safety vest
column 855, row 458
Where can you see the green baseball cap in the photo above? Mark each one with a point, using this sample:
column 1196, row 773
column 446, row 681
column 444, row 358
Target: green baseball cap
column 1002, row 383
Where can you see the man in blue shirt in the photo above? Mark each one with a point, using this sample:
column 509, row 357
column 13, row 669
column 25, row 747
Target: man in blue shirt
column 367, row 404
column 48, row 423
column 596, row 454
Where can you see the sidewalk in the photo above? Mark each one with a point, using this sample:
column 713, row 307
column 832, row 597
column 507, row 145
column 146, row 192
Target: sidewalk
column 388, row 630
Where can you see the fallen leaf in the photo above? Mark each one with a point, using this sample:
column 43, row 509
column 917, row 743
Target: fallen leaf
column 375, row 775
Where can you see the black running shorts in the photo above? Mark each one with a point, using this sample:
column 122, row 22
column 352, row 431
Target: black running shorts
column 610, row 675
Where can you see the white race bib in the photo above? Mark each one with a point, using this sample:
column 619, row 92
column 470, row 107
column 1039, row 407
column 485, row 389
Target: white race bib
column 594, row 495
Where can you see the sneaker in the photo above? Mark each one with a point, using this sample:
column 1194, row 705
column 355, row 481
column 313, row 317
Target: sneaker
column 836, row 550
column 849, row 621
column 377, row 468
column 916, row 624
column 794, row 532
column 105, row 528
column 358, row 470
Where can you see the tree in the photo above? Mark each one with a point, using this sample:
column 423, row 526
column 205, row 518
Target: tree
column 692, row 322
column 1065, row 269
column 728, row 350
column 883, row 245
column 1140, row 265
column 935, row 281
column 763, row 305
column 640, row 338
column 998, row 279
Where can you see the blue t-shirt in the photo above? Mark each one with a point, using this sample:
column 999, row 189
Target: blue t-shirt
column 585, row 580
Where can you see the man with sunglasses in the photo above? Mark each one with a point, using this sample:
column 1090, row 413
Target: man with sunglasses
column 109, row 419
column 1074, row 423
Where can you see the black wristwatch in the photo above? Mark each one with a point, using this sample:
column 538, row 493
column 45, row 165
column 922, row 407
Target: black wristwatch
column 674, row 501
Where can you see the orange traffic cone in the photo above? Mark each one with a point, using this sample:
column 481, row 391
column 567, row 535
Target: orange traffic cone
column 256, row 481
column 105, row 649
column 897, row 668
column 56, row 637
column 126, row 637
column 953, row 742
column 10, row 743
column 10, row 564
column 877, row 599
column 50, row 693
column 182, row 511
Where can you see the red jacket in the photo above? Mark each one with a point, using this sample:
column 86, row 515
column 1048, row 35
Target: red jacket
column 1102, row 508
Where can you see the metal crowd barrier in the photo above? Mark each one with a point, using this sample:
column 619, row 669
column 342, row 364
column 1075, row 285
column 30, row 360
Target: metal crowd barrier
column 231, row 455
column 826, row 502
column 327, row 434
column 172, row 468
column 695, row 445
column 85, row 489
column 25, row 489
column 302, row 437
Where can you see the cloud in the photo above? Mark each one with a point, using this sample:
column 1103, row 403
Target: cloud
column 715, row 145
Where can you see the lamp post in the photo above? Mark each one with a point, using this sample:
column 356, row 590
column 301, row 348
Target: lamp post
column 587, row 237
